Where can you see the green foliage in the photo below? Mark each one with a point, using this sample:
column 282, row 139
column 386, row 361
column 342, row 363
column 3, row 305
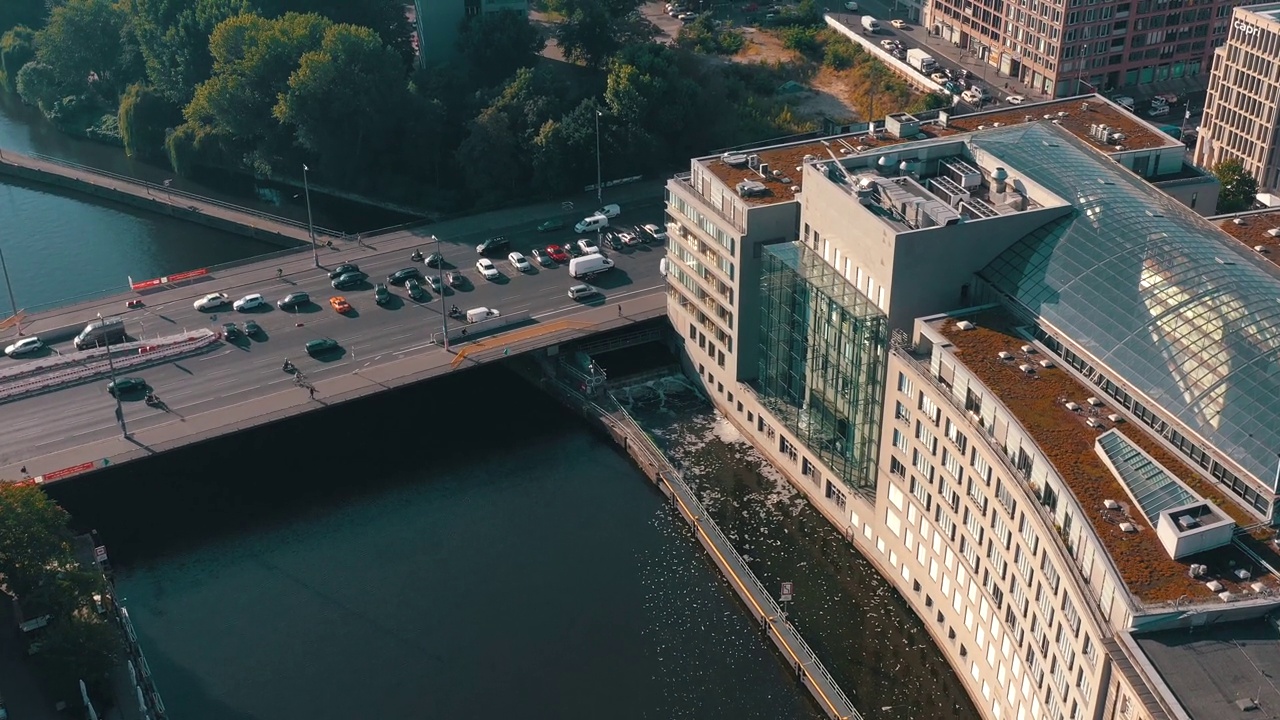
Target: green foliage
column 37, row 85
column 33, row 536
column 13, row 13
column 79, row 647
column 17, row 48
column 173, row 38
column 82, row 46
column 702, row 35
column 841, row 54
column 192, row 145
column 1238, row 186
column 345, row 98
column 145, row 118
column 496, row 44
column 804, row 40
column 385, row 17
column 587, row 36
column 930, row 101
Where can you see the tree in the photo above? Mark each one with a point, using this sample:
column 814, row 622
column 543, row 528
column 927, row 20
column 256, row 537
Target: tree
column 253, row 59
column 145, row 118
column 82, row 46
column 342, row 100
column 173, row 37
column 33, row 536
column 488, row 155
column 588, row 34
column 385, row 17
column 496, row 44
column 31, row 13
column 1239, row 188
column 17, row 48
column 37, row 85
column 648, row 89
column 82, row 646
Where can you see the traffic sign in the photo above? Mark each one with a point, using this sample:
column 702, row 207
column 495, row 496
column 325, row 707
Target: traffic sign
column 787, row 591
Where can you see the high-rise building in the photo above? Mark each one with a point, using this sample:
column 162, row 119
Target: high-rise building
column 1039, row 394
column 1240, row 115
column 1066, row 48
column 438, row 22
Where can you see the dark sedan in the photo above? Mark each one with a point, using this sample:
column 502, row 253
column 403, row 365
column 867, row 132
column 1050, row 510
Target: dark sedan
column 349, row 280
column 293, row 300
column 403, row 275
column 343, row 269
column 126, row 385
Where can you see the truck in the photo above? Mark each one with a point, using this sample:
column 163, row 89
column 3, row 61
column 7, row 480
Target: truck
column 921, row 60
column 870, row 24
column 589, row 265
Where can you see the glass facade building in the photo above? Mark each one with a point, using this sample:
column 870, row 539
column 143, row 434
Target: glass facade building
column 823, row 348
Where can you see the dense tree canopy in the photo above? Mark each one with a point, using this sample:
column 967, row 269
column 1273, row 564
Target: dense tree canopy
column 17, row 48
column 83, row 45
column 1239, row 188
column 385, row 17
column 145, row 117
column 173, row 37
column 494, row 45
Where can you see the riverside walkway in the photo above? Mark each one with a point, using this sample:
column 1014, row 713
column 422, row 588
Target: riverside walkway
column 159, row 198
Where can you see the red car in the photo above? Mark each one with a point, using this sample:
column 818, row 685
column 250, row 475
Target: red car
column 557, row 253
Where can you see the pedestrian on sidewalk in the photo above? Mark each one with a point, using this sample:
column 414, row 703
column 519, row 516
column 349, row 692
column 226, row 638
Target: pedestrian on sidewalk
column 312, row 389
column 619, row 310
column 279, row 273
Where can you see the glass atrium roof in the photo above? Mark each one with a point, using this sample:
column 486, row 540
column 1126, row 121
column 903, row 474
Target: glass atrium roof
column 1155, row 293
column 1150, row 486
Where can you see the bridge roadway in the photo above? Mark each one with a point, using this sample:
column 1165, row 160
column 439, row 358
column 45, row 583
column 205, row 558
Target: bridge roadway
column 241, row 384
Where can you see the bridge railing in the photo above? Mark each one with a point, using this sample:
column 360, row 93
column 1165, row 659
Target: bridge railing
column 173, row 192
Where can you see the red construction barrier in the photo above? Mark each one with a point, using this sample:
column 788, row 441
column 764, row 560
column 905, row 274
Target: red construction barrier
column 64, row 472
column 176, row 277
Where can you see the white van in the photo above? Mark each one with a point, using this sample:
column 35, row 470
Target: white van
column 475, row 315
column 592, row 223
column 588, row 265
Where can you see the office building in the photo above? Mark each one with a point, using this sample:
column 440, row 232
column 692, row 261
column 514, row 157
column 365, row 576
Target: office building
column 1066, row 48
column 1240, row 114
column 438, row 21
column 1039, row 394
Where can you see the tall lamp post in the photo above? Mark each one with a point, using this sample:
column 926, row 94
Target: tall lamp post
column 599, row 181
column 12, row 303
column 311, row 228
column 444, row 311
column 115, row 392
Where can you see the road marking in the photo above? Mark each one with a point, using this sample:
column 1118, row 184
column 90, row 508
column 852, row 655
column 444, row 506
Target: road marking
column 215, row 355
column 414, row 348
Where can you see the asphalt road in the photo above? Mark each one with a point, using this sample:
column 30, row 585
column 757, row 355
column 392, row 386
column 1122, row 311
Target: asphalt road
column 239, row 371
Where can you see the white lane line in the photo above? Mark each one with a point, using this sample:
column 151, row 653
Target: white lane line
column 414, row 348
column 634, row 292
column 556, row 312
column 213, row 356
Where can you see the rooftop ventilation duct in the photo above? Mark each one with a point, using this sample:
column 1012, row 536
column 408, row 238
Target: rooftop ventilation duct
column 999, row 177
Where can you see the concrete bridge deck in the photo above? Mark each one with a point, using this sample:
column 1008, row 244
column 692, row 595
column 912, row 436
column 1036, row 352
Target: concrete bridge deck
column 240, row 385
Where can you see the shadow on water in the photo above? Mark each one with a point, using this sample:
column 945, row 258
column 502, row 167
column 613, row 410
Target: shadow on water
column 463, row 548
column 873, row 644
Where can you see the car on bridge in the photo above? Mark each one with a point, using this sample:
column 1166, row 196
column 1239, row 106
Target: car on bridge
column 230, row 331
column 212, row 301
column 249, row 302
column 455, row 278
column 519, row 262
column 343, row 269
column 349, row 280
column 126, row 386
column 252, row 329
column 25, row 346
column 435, row 259
column 486, row 268
column 340, row 304
column 403, row 275
column 381, row 294
column 557, row 253
column 293, row 300
column 435, row 283
column 321, row 346
column 415, row 289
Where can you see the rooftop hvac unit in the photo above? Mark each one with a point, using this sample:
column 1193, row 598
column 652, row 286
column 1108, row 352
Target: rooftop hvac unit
column 1128, row 527
column 1026, row 368
column 948, row 190
column 1238, row 221
column 1111, row 504
column 964, row 174
column 1093, row 401
column 1115, row 418
column 763, row 169
column 734, row 159
column 964, row 325
column 1091, row 422
column 1197, row 570
column 1072, row 406
column 1062, row 113
column 1046, row 363
column 1274, row 232
column 753, row 161
column 1028, row 349
column 1004, row 355
column 751, row 188
column 1186, row 522
column 1260, row 248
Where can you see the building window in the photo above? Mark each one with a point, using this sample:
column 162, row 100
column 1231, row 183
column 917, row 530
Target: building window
column 1003, row 535
column 1023, row 561
column 926, row 438
column 693, row 331
column 1005, row 497
column 978, row 496
column 1030, row 537
column 1051, row 576
column 905, row 386
column 921, row 462
column 751, row 416
column 896, row 467
column 835, row 495
column 900, row 440
column 981, row 466
column 946, row 526
column 731, row 400
column 998, row 563
column 973, row 523
column 928, row 407
column 786, row 448
column 956, row 437
column 969, row 552
column 918, row 489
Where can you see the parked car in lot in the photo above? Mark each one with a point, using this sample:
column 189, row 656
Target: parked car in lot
column 249, row 302
column 340, row 304
column 343, row 269
column 541, row 257
column 125, row 386
column 486, row 268
column 321, row 346
column 435, row 283
column 403, row 275
column 212, row 301
column 1016, row 99
column 518, row 262
column 293, row 300
column 434, row 260
column 494, row 245
column 557, row 253
column 655, row 232
column 587, row 247
column 25, row 346
column 381, row 294
column 627, row 239
column 349, row 280
column 551, row 225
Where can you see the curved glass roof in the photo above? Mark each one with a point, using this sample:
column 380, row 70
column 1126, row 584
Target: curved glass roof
column 1152, row 291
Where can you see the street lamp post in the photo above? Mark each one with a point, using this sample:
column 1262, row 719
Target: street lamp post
column 115, row 392
column 311, row 228
column 444, row 311
column 599, row 180
column 12, row 303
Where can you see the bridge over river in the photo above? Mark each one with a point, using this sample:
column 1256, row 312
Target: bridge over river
column 238, row 384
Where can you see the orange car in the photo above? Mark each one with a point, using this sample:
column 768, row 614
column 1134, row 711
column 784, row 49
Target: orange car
column 340, row 304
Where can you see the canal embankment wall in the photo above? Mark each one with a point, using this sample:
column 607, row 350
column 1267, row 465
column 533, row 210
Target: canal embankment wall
column 48, row 171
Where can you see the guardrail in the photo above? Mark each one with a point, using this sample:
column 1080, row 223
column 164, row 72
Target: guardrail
column 171, row 192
